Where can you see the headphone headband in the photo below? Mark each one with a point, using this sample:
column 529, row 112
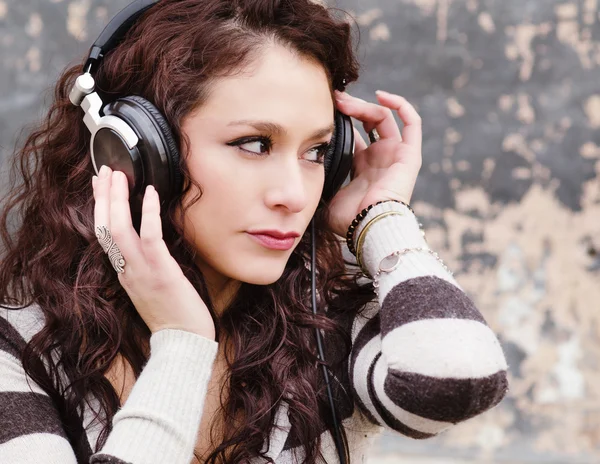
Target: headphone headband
column 115, row 31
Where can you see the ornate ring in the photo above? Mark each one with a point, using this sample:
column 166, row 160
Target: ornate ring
column 110, row 248
column 373, row 135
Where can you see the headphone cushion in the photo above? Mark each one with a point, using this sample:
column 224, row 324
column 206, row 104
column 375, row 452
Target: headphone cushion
column 165, row 130
column 338, row 161
column 330, row 157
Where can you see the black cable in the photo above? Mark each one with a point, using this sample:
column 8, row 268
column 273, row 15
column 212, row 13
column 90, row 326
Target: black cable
column 337, row 433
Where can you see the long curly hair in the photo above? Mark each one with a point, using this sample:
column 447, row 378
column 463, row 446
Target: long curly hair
column 51, row 256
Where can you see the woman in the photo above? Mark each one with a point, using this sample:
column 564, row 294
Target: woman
column 195, row 338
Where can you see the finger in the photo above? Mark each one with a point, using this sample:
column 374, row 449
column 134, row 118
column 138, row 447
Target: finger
column 102, row 201
column 359, row 142
column 372, row 115
column 155, row 250
column 412, row 132
column 121, row 226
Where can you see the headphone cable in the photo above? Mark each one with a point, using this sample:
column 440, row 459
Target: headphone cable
column 337, row 433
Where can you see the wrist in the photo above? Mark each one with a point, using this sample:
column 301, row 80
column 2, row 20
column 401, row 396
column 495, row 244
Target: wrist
column 202, row 331
column 351, row 233
column 381, row 200
column 386, row 228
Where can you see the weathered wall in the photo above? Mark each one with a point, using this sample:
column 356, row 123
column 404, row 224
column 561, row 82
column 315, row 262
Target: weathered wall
column 509, row 192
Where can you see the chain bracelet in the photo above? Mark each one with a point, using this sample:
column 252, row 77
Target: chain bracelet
column 392, row 261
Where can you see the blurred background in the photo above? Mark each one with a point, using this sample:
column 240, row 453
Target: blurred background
column 509, row 191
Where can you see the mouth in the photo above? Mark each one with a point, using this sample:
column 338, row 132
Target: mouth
column 274, row 239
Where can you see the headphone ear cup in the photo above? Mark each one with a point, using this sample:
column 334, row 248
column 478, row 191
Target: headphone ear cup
column 158, row 160
column 338, row 161
column 159, row 151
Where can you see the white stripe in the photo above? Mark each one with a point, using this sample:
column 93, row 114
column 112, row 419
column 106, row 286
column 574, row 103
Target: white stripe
column 280, row 431
column 360, row 375
column 26, row 321
column 444, row 348
column 92, row 426
column 418, row 423
column 13, row 378
column 393, row 233
column 412, row 266
column 37, row 447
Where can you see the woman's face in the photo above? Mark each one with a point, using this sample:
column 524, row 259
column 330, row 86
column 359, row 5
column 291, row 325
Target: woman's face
column 256, row 149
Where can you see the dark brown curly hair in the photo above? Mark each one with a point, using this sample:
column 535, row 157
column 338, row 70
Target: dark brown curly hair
column 51, row 256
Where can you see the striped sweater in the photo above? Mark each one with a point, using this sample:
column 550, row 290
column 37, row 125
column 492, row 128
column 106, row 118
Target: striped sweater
column 422, row 360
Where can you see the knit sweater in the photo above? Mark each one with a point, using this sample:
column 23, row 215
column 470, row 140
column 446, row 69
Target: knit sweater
column 422, row 360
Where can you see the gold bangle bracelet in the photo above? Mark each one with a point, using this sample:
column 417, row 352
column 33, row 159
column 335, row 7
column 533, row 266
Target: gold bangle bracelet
column 361, row 237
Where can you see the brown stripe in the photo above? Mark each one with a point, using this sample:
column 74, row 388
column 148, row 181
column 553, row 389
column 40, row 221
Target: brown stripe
column 365, row 411
column 24, row 413
column 366, row 334
column 389, row 419
column 425, row 298
column 11, row 340
column 447, row 400
column 106, row 459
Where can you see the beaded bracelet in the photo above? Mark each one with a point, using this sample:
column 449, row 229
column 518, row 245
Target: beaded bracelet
column 359, row 217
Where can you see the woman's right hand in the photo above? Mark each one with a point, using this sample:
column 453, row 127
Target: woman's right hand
column 152, row 278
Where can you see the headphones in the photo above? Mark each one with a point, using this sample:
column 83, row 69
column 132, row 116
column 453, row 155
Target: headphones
column 131, row 135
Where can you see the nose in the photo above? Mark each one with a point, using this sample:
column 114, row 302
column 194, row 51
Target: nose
column 287, row 185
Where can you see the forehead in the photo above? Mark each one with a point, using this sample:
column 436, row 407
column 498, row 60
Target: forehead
column 276, row 84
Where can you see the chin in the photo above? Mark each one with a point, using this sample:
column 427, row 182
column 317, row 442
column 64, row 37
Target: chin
column 261, row 273
column 262, row 280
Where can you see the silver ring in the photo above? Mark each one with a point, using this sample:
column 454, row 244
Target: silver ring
column 110, row 248
column 373, row 136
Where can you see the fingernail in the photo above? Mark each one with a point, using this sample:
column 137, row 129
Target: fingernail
column 103, row 172
column 382, row 92
column 94, row 181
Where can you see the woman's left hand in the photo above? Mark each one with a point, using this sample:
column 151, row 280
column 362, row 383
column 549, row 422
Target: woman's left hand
column 384, row 170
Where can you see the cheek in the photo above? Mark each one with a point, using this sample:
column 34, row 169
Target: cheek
column 315, row 184
column 210, row 204
column 222, row 181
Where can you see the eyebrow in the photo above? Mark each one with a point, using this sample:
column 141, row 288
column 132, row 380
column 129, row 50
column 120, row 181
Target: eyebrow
column 277, row 129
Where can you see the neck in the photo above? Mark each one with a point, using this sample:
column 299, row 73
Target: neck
column 221, row 289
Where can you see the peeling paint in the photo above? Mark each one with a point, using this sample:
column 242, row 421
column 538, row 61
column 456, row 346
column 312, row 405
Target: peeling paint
column 380, row 32
column 35, row 25
column 76, row 21
column 509, row 191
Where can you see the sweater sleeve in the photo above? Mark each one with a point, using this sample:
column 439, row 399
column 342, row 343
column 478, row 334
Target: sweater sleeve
column 423, row 357
column 158, row 423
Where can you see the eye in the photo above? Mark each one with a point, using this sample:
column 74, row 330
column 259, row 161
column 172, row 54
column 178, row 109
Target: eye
column 258, row 145
column 317, row 154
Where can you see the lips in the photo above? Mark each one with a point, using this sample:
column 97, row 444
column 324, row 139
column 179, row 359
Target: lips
column 274, row 239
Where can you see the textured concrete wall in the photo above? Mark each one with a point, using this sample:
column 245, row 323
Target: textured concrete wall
column 509, row 192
